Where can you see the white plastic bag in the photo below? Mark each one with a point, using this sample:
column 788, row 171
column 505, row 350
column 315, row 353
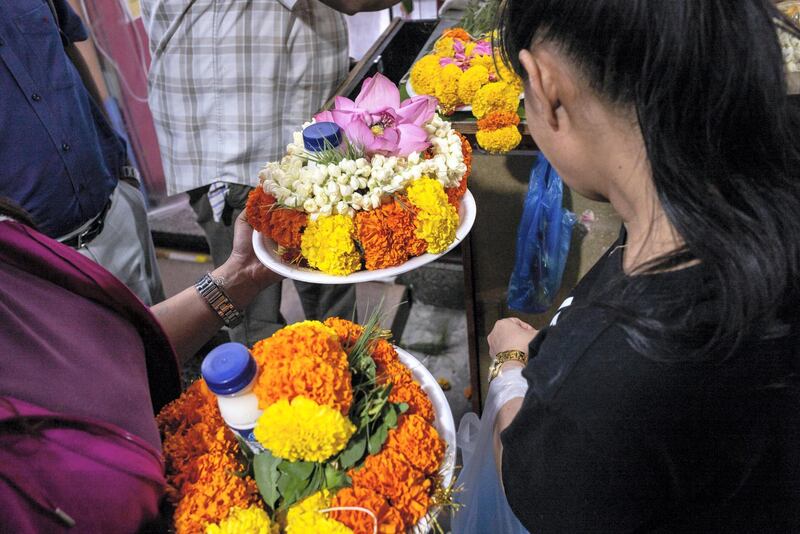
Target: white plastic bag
column 484, row 505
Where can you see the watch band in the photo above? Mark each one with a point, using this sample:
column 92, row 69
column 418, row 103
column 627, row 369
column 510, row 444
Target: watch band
column 503, row 357
column 211, row 290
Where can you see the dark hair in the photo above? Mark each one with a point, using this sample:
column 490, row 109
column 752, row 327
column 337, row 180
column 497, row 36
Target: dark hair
column 707, row 83
column 11, row 209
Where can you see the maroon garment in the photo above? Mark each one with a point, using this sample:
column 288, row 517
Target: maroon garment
column 75, row 342
column 70, row 474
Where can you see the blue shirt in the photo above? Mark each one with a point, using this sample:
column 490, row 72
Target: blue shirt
column 59, row 158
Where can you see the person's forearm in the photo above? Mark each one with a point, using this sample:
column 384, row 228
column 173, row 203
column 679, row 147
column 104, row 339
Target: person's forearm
column 351, row 7
column 504, row 417
column 89, row 54
column 188, row 319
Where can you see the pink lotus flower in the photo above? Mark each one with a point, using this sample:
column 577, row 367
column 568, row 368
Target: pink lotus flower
column 379, row 122
column 460, row 58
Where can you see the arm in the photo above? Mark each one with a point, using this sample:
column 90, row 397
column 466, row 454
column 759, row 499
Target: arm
column 88, row 53
column 508, row 334
column 189, row 321
column 351, row 7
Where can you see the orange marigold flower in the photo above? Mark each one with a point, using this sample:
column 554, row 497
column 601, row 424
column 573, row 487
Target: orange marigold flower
column 418, row 442
column 316, row 380
column 385, row 354
column 457, row 33
column 381, row 249
column 466, row 150
column 214, row 491
column 400, row 218
column 412, row 394
column 348, row 331
column 304, row 359
column 389, row 519
column 191, row 426
column 414, row 502
column 287, row 227
column 387, row 473
column 259, row 210
column 498, row 119
column 387, row 234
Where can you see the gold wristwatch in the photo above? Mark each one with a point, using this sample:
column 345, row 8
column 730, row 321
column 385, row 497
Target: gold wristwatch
column 503, row 357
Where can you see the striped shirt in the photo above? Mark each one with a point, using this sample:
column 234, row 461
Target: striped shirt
column 231, row 80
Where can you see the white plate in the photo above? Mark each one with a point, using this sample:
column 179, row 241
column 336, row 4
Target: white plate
column 266, row 251
column 411, row 92
column 443, row 423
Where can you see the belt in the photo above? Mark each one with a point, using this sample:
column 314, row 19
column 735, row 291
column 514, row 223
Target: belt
column 87, row 231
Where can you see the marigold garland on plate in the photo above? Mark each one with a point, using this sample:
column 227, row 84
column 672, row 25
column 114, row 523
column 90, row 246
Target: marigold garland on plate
column 346, row 207
column 350, row 445
column 463, row 71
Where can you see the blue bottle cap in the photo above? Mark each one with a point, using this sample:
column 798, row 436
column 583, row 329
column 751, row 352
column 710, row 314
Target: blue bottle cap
column 322, row 135
column 228, row 368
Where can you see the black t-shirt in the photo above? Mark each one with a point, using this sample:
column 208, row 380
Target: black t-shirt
column 608, row 440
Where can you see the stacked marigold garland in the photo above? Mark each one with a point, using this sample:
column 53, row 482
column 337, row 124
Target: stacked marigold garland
column 348, row 432
column 462, row 70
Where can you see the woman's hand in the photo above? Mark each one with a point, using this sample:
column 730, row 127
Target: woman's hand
column 187, row 318
column 243, row 260
column 510, row 334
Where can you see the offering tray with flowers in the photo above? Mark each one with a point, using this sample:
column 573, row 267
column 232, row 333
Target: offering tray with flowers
column 356, row 437
column 368, row 189
column 463, row 72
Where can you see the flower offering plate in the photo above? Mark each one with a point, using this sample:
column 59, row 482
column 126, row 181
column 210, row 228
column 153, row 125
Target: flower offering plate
column 266, row 251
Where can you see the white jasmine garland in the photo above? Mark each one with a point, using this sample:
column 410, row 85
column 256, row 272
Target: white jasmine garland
column 361, row 184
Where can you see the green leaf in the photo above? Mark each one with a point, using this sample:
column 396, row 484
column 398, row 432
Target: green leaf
column 265, row 468
column 354, row 451
column 408, row 5
column 403, row 407
column 376, row 439
column 291, row 489
column 298, row 480
column 301, row 470
column 335, row 478
column 390, row 419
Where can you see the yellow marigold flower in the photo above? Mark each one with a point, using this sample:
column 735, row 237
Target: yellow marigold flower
column 437, row 219
column 447, row 88
column 483, row 60
column 328, row 245
column 437, row 227
column 301, row 429
column 252, row 520
column 473, row 79
column 427, row 193
column 444, row 47
column 469, row 47
column 424, row 74
column 500, row 140
column 305, row 518
column 495, row 96
column 506, row 74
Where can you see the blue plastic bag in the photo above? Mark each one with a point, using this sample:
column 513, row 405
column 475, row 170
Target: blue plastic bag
column 542, row 242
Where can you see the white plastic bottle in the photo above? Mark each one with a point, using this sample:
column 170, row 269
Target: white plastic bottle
column 230, row 372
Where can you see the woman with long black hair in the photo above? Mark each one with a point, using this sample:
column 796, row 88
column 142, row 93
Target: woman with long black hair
column 665, row 395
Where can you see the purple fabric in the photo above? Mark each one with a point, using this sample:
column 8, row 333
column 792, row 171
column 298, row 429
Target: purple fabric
column 55, row 469
column 83, row 367
column 66, row 279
